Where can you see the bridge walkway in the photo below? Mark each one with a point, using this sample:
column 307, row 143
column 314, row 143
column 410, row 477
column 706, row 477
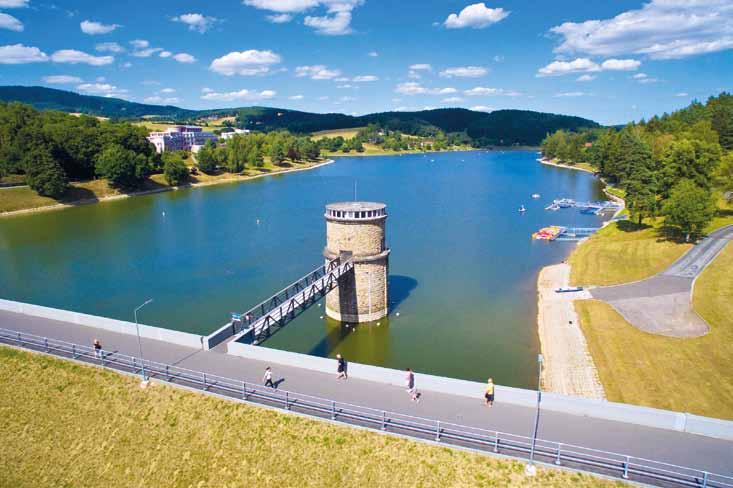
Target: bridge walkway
column 662, row 445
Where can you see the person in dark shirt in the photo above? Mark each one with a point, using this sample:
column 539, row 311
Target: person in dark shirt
column 341, row 368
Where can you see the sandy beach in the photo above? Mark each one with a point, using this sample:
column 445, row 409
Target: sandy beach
column 569, row 367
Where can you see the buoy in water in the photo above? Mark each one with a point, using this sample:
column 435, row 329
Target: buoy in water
column 397, row 314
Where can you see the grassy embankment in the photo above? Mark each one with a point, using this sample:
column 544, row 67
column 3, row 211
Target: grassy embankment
column 70, row 425
column 691, row 375
column 13, row 199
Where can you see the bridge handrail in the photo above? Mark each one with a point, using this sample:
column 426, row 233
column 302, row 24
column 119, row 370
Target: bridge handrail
column 557, row 452
column 253, row 310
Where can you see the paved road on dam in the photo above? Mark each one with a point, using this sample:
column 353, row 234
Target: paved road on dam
column 661, row 445
column 662, row 304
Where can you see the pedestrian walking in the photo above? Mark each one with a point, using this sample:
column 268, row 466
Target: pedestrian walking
column 98, row 349
column 489, row 395
column 410, row 384
column 341, row 368
column 268, row 378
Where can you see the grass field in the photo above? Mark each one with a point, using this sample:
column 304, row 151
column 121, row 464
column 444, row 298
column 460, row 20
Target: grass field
column 623, row 252
column 345, row 133
column 70, row 425
column 687, row 375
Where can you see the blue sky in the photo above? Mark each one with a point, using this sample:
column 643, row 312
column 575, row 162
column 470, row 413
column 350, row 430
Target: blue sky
column 609, row 61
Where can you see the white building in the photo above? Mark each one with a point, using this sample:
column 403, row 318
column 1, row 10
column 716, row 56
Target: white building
column 180, row 138
column 228, row 135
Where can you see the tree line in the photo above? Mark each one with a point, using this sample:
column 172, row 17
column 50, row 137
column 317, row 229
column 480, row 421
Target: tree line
column 50, row 148
column 249, row 150
column 668, row 165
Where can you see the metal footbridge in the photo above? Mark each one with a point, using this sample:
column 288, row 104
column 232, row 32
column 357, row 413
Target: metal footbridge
column 272, row 314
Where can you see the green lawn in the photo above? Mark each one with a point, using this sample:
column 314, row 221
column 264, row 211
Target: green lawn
column 623, row 252
column 67, row 425
column 688, row 375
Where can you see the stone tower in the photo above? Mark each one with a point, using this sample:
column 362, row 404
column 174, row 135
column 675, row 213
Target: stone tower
column 358, row 228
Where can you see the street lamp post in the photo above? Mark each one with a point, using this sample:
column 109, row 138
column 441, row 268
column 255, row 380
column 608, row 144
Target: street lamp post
column 139, row 342
column 530, row 469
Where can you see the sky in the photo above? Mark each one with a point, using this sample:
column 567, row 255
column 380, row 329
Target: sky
column 612, row 61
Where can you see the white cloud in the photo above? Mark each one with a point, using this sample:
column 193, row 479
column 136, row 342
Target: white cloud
column 283, row 6
column 161, row 100
column 414, row 88
column 498, row 58
column 61, row 79
column 168, row 90
column 13, row 3
column 344, row 100
column 101, row 89
column 111, row 47
column 323, row 98
column 364, row 78
column 245, row 63
column 373, row 54
column 661, row 29
column 345, row 86
column 578, row 65
column 196, row 22
column 570, row 94
column 142, row 48
column 20, row 54
column 452, row 100
column 296, row 97
column 139, row 43
column 165, row 54
column 280, row 18
column 127, row 64
column 464, row 72
column 586, row 78
column 72, row 56
column 11, row 23
column 476, row 16
column 184, row 58
column 242, row 94
column 585, row 65
column 481, row 108
column 338, row 24
column 682, row 94
column 620, row 65
column 483, row 91
column 420, row 67
column 317, row 72
column 95, row 28
column 644, row 79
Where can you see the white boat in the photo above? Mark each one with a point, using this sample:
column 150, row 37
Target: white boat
column 535, row 195
column 522, row 209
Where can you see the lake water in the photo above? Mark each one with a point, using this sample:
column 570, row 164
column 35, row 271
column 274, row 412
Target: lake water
column 463, row 268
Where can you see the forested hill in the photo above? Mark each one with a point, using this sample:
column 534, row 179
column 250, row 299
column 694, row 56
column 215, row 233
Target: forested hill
column 501, row 127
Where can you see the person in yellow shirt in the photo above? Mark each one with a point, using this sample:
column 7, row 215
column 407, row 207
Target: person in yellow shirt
column 489, row 395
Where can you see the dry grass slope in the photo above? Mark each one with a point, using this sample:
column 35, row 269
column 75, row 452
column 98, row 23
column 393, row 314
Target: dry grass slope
column 71, row 425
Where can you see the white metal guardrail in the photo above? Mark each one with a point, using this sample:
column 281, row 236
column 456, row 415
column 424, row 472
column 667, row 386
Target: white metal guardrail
column 572, row 456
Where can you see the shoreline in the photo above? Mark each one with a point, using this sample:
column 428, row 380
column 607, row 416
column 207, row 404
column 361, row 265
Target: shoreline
column 90, row 201
column 548, row 162
column 569, row 367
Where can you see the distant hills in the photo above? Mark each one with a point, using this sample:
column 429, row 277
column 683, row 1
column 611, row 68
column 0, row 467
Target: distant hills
column 501, row 127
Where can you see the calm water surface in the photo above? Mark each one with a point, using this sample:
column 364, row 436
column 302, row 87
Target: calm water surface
column 463, row 268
